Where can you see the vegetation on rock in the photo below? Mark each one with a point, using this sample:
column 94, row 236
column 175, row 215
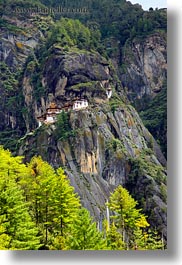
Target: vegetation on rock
column 105, row 149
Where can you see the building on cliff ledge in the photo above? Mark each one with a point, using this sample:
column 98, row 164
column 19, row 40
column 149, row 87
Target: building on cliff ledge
column 105, row 85
column 109, row 92
column 80, row 104
column 50, row 116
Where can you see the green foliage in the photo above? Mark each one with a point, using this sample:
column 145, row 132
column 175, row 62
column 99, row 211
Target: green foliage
column 147, row 240
column 114, row 238
column 144, row 171
column 68, row 32
column 154, row 117
column 66, row 203
column 117, row 147
column 89, row 86
column 143, row 165
column 4, row 24
column 37, row 200
column 53, row 203
column 63, row 128
column 128, row 230
column 9, row 139
column 4, row 237
column 124, row 206
column 118, row 19
column 17, row 231
column 12, row 4
column 43, row 23
column 84, row 235
column 8, row 79
column 11, row 103
column 115, row 103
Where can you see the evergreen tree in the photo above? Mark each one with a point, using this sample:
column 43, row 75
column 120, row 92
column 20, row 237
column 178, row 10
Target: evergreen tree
column 65, row 203
column 147, row 240
column 11, row 167
column 38, row 189
column 4, row 238
column 17, row 231
column 63, row 128
column 84, row 234
column 130, row 223
column 114, row 239
column 69, row 32
column 127, row 217
column 53, row 203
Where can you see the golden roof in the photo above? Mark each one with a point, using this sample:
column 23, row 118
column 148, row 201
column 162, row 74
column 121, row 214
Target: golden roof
column 53, row 105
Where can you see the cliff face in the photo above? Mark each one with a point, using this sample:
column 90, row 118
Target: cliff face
column 101, row 146
column 64, row 77
column 18, row 38
column 144, row 66
column 104, row 144
column 17, row 41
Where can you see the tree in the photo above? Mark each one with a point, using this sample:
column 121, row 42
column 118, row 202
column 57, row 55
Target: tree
column 53, row 202
column 147, row 240
column 63, row 129
column 130, row 223
column 17, row 231
column 84, row 234
column 38, row 187
column 4, row 238
column 65, row 203
column 71, row 33
column 127, row 217
column 114, row 239
column 11, row 167
column 154, row 117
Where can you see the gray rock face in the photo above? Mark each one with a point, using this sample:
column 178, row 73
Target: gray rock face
column 66, row 76
column 97, row 158
column 16, row 43
column 16, row 46
column 110, row 142
column 145, row 63
column 73, row 71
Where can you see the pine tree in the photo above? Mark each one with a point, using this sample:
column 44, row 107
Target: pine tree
column 4, row 238
column 38, row 189
column 114, row 239
column 65, row 203
column 127, row 217
column 11, row 167
column 53, row 202
column 16, row 222
column 130, row 223
column 147, row 240
column 16, row 226
column 84, row 234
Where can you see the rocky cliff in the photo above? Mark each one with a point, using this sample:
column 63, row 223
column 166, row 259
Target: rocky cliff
column 19, row 36
column 105, row 144
column 99, row 147
column 144, row 65
column 143, row 74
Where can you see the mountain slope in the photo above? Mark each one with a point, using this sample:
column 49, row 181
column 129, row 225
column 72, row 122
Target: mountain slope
column 99, row 147
column 102, row 145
